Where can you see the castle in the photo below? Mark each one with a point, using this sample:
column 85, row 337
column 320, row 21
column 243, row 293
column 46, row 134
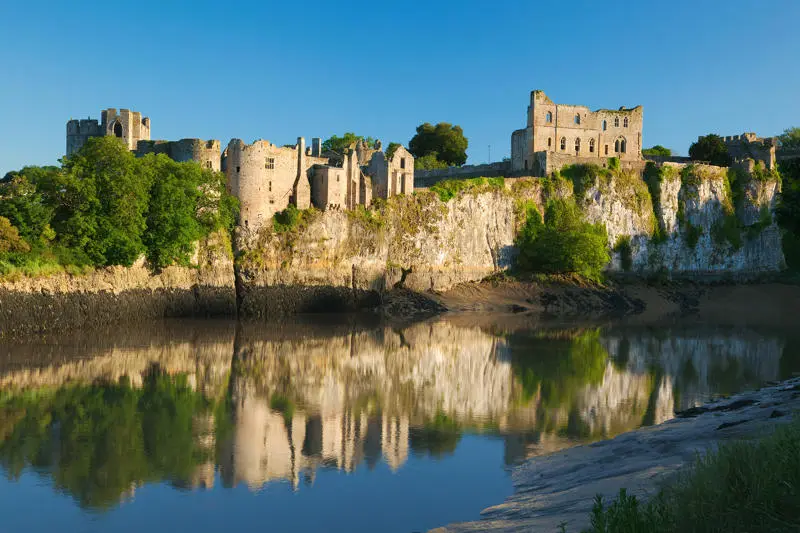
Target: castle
column 558, row 134
column 266, row 178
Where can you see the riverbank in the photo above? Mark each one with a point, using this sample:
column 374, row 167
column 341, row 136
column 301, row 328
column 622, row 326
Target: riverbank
column 559, row 488
column 115, row 294
column 769, row 303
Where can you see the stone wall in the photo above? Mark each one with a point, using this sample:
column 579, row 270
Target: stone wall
column 206, row 153
column 427, row 178
column 266, row 178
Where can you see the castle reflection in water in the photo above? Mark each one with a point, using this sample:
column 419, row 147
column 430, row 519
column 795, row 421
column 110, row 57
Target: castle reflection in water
column 298, row 398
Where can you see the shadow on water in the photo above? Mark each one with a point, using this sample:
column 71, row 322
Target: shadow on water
column 100, row 413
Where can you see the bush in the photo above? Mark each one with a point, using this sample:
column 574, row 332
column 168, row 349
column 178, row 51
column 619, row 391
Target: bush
column 743, row 487
column 563, row 242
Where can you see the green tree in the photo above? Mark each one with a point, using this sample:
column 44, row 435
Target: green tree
column 429, row 162
column 563, row 242
column 788, row 211
column 710, row 148
column 172, row 225
column 391, row 149
column 657, row 151
column 444, row 141
column 10, row 240
column 103, row 197
column 25, row 207
column 790, row 138
column 338, row 144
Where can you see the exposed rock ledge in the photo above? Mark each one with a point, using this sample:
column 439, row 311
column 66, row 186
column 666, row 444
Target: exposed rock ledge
column 558, row 488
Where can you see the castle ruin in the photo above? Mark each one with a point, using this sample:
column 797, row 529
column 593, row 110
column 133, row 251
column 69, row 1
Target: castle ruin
column 267, row 178
column 127, row 125
column 559, row 134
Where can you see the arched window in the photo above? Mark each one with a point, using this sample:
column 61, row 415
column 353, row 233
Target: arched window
column 616, row 122
column 591, row 145
column 616, row 146
column 549, row 142
column 605, row 125
column 577, row 145
column 548, row 117
column 577, row 119
column 118, row 129
column 563, row 143
column 625, row 122
column 622, row 146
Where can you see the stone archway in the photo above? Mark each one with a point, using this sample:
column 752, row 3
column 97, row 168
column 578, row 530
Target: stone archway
column 117, row 129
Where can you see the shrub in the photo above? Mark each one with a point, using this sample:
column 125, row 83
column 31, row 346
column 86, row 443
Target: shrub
column 286, row 220
column 563, row 242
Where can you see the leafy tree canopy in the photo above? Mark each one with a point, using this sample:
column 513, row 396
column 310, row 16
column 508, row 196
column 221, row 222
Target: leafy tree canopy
column 338, row 144
column 445, row 142
column 711, row 149
column 790, row 138
column 10, row 241
column 658, row 151
column 563, row 242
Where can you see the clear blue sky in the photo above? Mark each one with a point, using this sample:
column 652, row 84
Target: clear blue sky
column 281, row 69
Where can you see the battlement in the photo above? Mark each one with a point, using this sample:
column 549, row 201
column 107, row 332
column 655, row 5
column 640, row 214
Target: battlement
column 750, row 146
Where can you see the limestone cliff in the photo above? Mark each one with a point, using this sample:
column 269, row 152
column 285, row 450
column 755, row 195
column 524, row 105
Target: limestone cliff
column 683, row 220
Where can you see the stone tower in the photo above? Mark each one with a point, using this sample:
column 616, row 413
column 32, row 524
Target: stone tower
column 126, row 124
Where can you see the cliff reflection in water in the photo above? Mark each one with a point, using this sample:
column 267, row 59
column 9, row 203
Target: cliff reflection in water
column 101, row 413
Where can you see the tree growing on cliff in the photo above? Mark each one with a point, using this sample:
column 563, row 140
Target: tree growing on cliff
column 22, row 203
column 10, row 240
column 562, row 243
column 102, row 202
column 711, row 149
column 657, row 151
column 790, row 139
column 439, row 144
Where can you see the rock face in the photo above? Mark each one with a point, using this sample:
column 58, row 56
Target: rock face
column 695, row 226
column 114, row 294
column 344, row 260
column 694, row 220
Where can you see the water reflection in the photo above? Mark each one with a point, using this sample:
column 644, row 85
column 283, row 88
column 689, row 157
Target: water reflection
column 100, row 414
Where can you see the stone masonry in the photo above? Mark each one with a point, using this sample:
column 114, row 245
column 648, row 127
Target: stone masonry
column 576, row 131
column 126, row 125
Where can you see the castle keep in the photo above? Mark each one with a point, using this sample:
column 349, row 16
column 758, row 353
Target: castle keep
column 558, row 134
column 266, row 178
column 126, row 125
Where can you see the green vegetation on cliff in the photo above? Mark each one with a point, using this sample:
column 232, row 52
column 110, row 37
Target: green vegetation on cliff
column 562, row 242
column 449, row 189
column 106, row 207
column 743, row 487
column 788, row 212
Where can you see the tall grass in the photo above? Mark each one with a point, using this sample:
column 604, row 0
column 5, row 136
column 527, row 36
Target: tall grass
column 742, row 487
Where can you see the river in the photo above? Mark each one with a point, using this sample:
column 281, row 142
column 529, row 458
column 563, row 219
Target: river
column 333, row 423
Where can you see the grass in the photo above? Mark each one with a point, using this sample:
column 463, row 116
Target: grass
column 449, row 189
column 742, row 487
